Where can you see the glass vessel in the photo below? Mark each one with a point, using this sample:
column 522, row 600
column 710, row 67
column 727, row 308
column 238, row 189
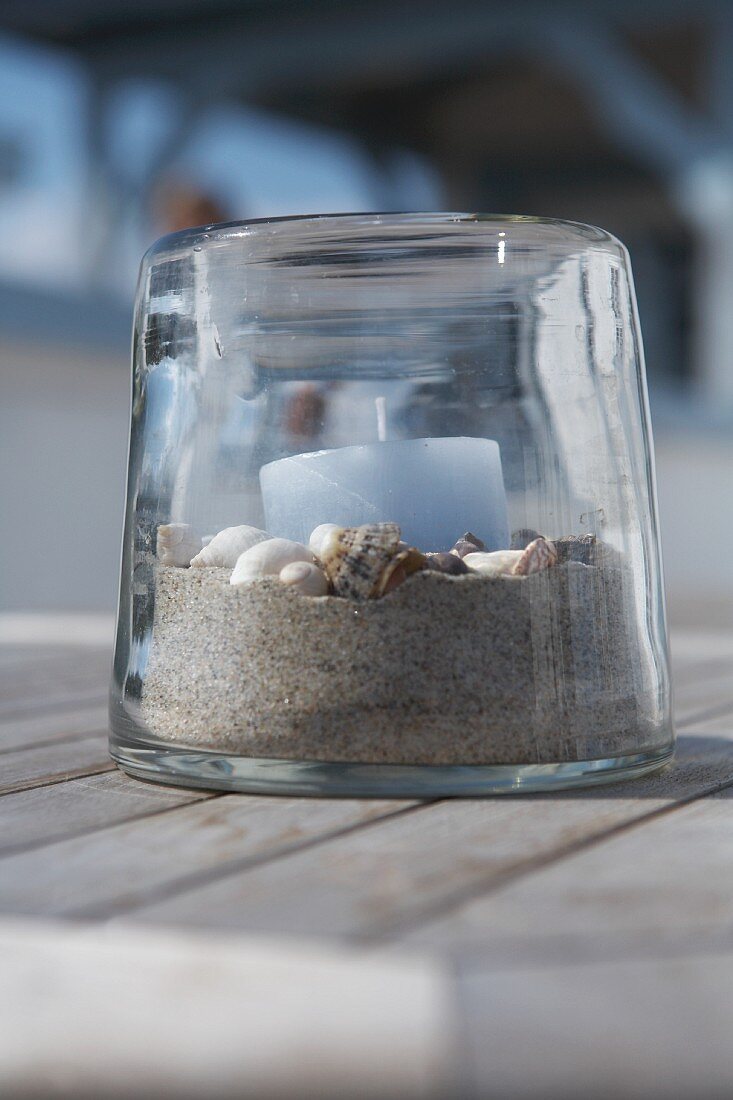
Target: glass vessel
column 391, row 521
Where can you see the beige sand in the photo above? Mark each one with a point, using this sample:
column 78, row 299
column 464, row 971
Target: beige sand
column 444, row 670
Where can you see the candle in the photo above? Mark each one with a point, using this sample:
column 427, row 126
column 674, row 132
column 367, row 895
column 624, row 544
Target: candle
column 435, row 489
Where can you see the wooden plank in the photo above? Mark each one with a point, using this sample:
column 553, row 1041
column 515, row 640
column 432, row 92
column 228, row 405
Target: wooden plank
column 715, row 718
column 691, row 644
column 657, row 1029
column 714, row 695
column 47, row 657
column 693, row 671
column 49, row 814
column 52, row 701
column 124, row 866
column 33, row 767
column 380, row 882
column 663, row 887
column 715, row 722
column 90, row 1013
column 33, row 629
column 76, row 660
column 57, row 726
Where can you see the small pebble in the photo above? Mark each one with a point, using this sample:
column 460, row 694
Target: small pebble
column 305, row 577
column 468, row 544
column 447, row 563
column 522, row 538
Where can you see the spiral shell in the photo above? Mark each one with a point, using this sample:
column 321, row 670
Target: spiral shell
column 176, row 543
column 320, row 535
column 304, row 577
column 227, row 546
column 402, row 566
column 355, row 558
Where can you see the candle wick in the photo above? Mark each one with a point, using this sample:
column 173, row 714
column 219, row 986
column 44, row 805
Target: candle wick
column 381, row 403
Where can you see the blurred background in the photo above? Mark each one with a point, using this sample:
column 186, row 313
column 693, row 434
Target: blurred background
column 123, row 120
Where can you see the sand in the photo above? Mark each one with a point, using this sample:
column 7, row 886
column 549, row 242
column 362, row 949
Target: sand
column 444, row 670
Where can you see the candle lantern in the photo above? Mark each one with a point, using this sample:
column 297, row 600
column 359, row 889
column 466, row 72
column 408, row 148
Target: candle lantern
column 391, row 523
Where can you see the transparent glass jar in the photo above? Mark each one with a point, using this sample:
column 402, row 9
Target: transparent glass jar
column 461, row 398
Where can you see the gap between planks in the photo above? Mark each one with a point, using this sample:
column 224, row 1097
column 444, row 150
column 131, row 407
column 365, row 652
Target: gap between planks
column 40, row 766
column 196, row 880
column 43, row 816
column 426, row 851
column 655, row 893
column 214, row 875
column 121, row 865
column 398, row 928
column 370, row 888
column 33, row 732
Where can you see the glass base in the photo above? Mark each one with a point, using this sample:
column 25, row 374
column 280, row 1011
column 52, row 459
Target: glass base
column 220, row 771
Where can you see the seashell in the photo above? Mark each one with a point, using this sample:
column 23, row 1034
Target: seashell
column 402, row 566
column 354, row 558
column 582, row 548
column 319, row 535
column 305, row 577
column 176, row 543
column 225, row 548
column 522, row 538
column 468, row 544
column 539, row 555
column 268, row 559
column 498, row 563
column 449, row 563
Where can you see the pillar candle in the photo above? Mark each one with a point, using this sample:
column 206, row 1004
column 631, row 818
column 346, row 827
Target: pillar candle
column 435, row 489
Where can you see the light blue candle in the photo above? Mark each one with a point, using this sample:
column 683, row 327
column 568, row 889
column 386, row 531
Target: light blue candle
column 435, row 489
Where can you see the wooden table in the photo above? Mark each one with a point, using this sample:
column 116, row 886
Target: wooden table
column 180, row 943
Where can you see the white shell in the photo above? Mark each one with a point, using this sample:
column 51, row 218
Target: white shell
column 176, row 543
column 268, row 559
column 497, row 563
column 319, row 536
column 226, row 547
column 305, row 577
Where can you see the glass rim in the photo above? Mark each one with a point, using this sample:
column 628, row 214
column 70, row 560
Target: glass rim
column 238, row 229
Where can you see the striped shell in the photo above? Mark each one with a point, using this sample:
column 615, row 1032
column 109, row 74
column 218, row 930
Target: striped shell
column 540, row 554
column 402, row 566
column 355, row 558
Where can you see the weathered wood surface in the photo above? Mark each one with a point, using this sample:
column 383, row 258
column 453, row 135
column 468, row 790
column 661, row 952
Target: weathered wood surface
column 90, row 1015
column 43, row 764
column 120, row 868
column 585, row 928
